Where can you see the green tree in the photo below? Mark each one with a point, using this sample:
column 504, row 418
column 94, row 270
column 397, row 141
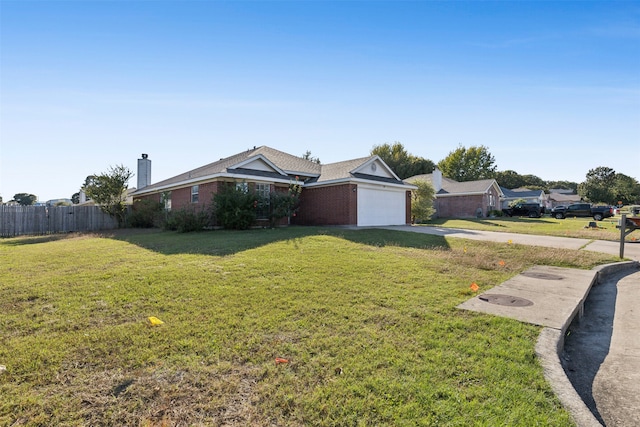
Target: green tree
column 509, row 179
column 566, row 185
column 534, row 182
column 108, row 190
column 25, row 199
column 468, row 164
column 599, row 185
column 307, row 156
column 404, row 165
column 422, row 201
column 626, row 189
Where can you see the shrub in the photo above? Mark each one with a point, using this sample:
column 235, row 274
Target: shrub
column 284, row 205
column 145, row 214
column 186, row 219
column 235, row 208
column 422, row 202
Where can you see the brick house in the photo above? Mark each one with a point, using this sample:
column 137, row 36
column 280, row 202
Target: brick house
column 453, row 199
column 360, row 192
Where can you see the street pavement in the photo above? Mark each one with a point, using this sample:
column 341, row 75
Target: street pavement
column 597, row 375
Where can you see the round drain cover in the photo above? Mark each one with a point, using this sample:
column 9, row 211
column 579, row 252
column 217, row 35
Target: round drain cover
column 507, row 300
column 544, row 276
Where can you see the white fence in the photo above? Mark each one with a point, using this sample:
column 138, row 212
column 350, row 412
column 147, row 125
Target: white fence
column 39, row 220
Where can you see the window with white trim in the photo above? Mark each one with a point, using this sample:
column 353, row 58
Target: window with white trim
column 194, row 194
column 165, row 199
column 242, row 186
column 263, row 192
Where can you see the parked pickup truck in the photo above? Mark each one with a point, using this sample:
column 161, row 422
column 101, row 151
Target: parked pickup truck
column 532, row 210
column 582, row 210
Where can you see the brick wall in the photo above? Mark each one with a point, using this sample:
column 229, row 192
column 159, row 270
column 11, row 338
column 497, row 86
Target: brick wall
column 467, row 206
column 459, row 206
column 335, row 205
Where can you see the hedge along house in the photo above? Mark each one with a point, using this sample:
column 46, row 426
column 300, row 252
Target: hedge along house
column 360, row 192
column 470, row 199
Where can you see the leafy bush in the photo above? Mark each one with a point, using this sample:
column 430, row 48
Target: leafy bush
column 517, row 202
column 422, row 202
column 284, row 205
column 145, row 214
column 235, row 208
column 187, row 219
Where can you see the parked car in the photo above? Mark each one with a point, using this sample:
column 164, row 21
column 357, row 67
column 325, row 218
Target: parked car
column 532, row 210
column 582, row 210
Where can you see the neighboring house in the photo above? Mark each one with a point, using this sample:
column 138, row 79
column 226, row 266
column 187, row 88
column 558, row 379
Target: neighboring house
column 85, row 201
column 361, row 192
column 530, row 196
column 455, row 199
column 562, row 199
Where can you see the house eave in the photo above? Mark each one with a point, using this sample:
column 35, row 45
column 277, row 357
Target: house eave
column 404, row 186
column 213, row 177
column 474, row 193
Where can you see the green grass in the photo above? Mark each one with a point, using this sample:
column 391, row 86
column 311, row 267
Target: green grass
column 366, row 318
column 545, row 226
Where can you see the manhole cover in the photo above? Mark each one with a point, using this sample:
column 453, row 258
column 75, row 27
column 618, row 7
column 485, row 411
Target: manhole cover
column 507, row 300
column 544, row 276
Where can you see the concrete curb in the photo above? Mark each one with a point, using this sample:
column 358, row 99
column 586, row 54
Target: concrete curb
column 550, row 346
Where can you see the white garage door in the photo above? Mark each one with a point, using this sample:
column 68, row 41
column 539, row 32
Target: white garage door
column 381, row 206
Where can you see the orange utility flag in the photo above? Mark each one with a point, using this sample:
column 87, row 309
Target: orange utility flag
column 501, row 263
column 280, row 360
column 474, row 287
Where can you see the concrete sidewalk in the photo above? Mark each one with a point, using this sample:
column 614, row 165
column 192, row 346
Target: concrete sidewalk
column 603, row 360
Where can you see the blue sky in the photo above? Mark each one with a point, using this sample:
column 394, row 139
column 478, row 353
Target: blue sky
column 551, row 88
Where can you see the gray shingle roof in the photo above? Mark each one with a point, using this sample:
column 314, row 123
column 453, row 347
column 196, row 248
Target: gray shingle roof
column 291, row 165
column 520, row 193
column 287, row 162
column 450, row 186
column 340, row 170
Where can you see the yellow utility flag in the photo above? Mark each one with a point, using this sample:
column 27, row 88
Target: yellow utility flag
column 155, row 321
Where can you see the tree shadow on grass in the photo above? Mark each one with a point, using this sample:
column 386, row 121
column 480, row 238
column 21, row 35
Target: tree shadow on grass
column 32, row 240
column 229, row 242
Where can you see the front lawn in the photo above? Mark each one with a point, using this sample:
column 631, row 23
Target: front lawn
column 365, row 319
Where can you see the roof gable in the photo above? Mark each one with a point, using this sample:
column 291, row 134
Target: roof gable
column 374, row 166
column 258, row 163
